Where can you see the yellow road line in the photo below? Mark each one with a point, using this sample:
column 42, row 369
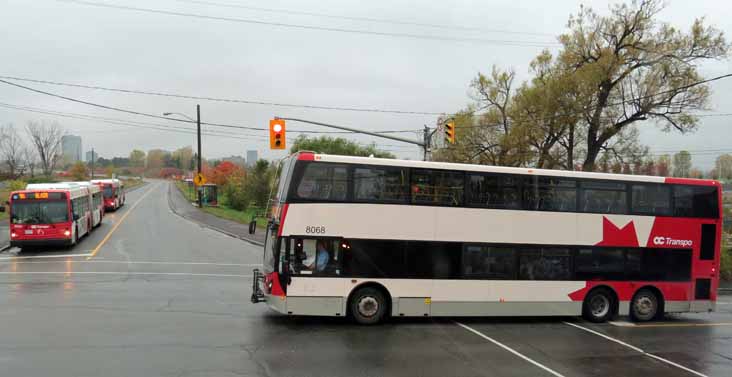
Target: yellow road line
column 117, row 224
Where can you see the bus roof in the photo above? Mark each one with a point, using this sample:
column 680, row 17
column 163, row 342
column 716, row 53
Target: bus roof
column 495, row 169
column 73, row 190
column 89, row 185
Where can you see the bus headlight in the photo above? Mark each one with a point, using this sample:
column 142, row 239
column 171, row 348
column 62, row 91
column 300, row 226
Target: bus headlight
column 13, row 235
column 67, row 233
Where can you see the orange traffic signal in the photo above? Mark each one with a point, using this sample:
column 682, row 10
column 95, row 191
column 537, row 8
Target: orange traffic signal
column 450, row 131
column 277, row 134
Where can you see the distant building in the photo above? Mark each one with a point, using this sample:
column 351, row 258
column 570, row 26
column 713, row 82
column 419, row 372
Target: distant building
column 252, row 158
column 92, row 156
column 237, row 160
column 71, row 148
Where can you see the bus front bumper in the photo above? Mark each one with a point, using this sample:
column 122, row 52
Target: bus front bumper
column 44, row 242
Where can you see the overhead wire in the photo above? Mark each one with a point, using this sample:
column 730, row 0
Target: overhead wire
column 226, row 100
column 134, row 112
column 318, row 28
column 366, row 19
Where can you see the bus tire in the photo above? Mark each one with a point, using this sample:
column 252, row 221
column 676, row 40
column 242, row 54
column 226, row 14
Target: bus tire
column 644, row 306
column 368, row 306
column 599, row 305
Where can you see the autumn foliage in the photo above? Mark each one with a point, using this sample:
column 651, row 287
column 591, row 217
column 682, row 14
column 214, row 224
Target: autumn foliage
column 222, row 172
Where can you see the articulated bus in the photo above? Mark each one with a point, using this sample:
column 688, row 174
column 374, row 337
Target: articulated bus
column 371, row 238
column 49, row 214
column 113, row 191
column 96, row 202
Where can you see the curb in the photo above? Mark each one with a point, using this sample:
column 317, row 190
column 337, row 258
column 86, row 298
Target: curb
column 172, row 208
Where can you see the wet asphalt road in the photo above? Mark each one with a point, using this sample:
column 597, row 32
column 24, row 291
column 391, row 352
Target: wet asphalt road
column 161, row 296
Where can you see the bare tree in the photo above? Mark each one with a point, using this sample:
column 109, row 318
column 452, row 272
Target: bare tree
column 31, row 159
column 11, row 150
column 46, row 138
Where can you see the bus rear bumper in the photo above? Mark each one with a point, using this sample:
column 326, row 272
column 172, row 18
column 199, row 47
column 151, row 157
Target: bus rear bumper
column 36, row 243
column 277, row 303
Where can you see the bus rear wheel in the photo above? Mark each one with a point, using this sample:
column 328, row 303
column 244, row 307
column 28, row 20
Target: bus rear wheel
column 644, row 306
column 598, row 305
column 368, row 306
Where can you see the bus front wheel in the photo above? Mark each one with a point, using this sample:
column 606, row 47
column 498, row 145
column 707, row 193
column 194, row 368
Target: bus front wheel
column 599, row 305
column 368, row 306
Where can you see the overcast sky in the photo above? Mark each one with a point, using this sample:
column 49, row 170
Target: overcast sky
column 82, row 44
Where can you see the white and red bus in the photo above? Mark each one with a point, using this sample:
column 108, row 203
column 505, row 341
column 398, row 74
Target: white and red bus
column 113, row 191
column 53, row 214
column 97, row 201
column 371, row 238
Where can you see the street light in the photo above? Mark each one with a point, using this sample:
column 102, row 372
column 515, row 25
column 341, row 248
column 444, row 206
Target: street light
column 198, row 123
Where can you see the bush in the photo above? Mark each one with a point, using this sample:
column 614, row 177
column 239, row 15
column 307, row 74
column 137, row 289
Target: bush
column 41, row 179
column 725, row 269
column 235, row 192
column 16, row 185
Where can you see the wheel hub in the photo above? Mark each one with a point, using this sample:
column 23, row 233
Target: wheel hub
column 644, row 305
column 599, row 305
column 368, row 306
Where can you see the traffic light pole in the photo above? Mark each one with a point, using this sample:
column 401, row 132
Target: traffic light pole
column 198, row 123
column 424, row 144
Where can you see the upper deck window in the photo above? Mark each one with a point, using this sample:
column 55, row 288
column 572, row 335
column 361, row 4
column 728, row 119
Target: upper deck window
column 604, row 197
column 651, row 199
column 696, row 201
column 322, row 181
column 380, row 184
column 439, row 187
column 493, row 191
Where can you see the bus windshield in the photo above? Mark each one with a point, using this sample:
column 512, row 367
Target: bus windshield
column 39, row 212
column 108, row 191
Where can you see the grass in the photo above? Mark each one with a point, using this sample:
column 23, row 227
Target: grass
column 3, row 198
column 223, row 211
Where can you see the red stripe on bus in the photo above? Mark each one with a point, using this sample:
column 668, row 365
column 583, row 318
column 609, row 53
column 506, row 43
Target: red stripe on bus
column 306, row 156
column 282, row 219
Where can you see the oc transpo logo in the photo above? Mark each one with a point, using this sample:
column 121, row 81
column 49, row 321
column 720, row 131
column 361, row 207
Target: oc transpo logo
column 668, row 241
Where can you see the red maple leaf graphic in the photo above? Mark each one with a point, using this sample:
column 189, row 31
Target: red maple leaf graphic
column 614, row 236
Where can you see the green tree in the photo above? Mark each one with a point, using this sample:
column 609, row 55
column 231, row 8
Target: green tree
column 339, row 146
column 79, row 171
column 137, row 158
column 616, row 57
column 258, row 184
column 682, row 164
column 723, row 167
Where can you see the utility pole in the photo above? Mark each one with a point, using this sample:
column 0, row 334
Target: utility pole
column 92, row 164
column 427, row 135
column 198, row 123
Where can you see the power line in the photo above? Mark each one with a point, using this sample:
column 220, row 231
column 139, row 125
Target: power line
column 169, row 118
column 368, row 19
column 125, row 123
column 214, row 99
column 319, row 28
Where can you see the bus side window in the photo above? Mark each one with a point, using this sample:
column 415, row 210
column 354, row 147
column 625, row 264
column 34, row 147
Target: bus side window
column 316, row 257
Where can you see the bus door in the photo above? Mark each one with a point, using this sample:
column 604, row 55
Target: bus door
column 704, row 271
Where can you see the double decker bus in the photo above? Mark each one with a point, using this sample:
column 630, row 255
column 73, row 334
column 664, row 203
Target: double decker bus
column 96, row 202
column 113, row 191
column 53, row 214
column 372, row 238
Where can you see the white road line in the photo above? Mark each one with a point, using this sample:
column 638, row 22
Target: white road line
column 117, row 273
column 509, row 349
column 669, row 362
column 147, row 262
column 45, row 256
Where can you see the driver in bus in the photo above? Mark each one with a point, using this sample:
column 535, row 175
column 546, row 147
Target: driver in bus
column 319, row 260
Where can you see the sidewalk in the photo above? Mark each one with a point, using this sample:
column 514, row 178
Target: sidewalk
column 182, row 207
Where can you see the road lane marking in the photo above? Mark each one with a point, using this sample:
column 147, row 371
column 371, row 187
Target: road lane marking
column 119, row 222
column 669, row 362
column 45, row 256
column 703, row 324
column 119, row 273
column 143, row 262
column 509, row 349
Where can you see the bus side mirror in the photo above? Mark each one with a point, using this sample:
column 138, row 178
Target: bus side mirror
column 252, row 227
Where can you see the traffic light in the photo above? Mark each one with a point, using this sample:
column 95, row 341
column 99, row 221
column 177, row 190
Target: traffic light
column 277, row 134
column 450, row 131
